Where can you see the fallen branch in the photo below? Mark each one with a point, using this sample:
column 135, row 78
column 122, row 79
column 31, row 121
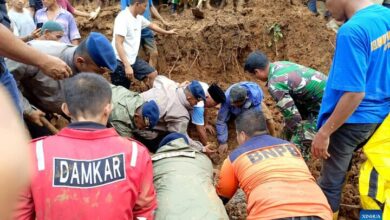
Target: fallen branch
column 351, row 206
column 220, row 50
column 173, row 67
column 196, row 57
column 334, row 47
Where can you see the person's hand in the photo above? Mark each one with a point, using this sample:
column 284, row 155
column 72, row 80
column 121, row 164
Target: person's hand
column 320, row 144
column 129, row 72
column 36, row 33
column 55, row 68
column 94, row 14
column 166, row 23
column 35, row 117
column 208, row 149
column 222, row 148
column 172, row 31
column 210, row 129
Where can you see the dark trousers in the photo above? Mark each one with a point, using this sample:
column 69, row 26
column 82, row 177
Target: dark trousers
column 140, row 69
column 343, row 142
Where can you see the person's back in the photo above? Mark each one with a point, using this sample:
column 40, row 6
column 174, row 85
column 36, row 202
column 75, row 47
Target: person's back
column 305, row 86
column 272, row 173
column 368, row 32
column 187, row 191
column 87, row 171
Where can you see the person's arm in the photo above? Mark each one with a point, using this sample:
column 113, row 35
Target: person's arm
column 14, row 156
column 146, row 202
column 156, row 28
column 221, row 124
column 198, row 121
column 34, row 35
column 280, row 93
column 122, row 55
column 156, row 14
column 227, row 182
column 348, row 75
column 268, row 119
column 74, row 34
column 17, row 50
column 344, row 109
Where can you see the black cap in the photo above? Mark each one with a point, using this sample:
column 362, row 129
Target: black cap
column 216, row 93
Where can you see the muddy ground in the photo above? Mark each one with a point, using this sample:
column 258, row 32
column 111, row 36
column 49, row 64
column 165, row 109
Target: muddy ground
column 213, row 50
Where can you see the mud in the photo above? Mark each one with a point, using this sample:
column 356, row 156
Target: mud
column 213, row 49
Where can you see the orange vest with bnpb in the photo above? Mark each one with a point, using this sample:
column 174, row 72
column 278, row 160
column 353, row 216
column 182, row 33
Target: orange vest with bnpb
column 275, row 179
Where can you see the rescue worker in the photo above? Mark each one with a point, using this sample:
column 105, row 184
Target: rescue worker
column 374, row 175
column 131, row 113
column 297, row 91
column 186, row 192
column 42, row 93
column 356, row 103
column 173, row 104
column 214, row 96
column 272, row 173
column 239, row 98
column 87, row 171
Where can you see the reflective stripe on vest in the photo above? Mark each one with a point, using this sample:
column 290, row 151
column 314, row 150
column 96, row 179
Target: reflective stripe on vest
column 40, row 155
column 134, row 155
column 160, row 156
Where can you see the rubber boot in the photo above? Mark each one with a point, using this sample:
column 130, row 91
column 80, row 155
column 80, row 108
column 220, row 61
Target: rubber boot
column 335, row 215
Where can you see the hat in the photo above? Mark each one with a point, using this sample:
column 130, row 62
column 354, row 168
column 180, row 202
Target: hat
column 217, row 93
column 51, row 26
column 196, row 90
column 256, row 60
column 142, row 69
column 150, row 113
column 101, row 51
column 171, row 137
column 238, row 94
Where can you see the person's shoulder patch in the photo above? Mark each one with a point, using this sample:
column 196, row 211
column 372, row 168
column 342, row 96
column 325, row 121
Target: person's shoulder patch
column 76, row 173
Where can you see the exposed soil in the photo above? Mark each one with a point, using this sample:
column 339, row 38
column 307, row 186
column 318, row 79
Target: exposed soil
column 213, row 49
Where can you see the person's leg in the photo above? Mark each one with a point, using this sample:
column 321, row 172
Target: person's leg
column 312, row 5
column 303, row 136
column 149, row 43
column 8, row 81
column 343, row 142
column 118, row 77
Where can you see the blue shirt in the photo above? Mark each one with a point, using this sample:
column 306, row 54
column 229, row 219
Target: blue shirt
column 255, row 97
column 361, row 63
column 146, row 32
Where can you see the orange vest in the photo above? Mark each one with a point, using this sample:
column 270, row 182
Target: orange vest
column 275, row 179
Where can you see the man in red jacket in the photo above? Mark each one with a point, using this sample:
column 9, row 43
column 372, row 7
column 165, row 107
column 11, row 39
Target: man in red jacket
column 87, row 171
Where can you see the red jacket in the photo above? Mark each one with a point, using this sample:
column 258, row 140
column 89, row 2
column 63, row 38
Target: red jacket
column 89, row 173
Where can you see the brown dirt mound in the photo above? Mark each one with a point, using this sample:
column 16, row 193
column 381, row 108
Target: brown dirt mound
column 213, row 49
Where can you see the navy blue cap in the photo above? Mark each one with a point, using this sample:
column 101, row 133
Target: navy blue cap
column 256, row 60
column 171, row 137
column 150, row 113
column 196, row 90
column 101, row 52
column 142, row 69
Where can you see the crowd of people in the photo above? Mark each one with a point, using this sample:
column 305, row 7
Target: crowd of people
column 128, row 155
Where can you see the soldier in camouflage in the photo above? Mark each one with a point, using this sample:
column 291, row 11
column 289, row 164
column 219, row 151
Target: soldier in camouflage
column 297, row 91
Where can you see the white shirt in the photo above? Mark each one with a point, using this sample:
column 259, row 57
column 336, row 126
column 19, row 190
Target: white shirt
column 129, row 27
column 23, row 23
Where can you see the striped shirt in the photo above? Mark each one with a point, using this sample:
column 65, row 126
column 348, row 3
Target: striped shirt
column 67, row 21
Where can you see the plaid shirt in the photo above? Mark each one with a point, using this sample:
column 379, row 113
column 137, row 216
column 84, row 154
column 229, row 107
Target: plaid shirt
column 67, row 21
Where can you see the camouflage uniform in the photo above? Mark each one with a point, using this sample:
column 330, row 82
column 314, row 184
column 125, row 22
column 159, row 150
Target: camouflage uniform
column 298, row 92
